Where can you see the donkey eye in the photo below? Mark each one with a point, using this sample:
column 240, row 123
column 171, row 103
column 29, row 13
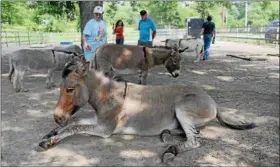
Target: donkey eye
column 69, row 90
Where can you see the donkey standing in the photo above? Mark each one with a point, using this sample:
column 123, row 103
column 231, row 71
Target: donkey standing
column 128, row 108
column 51, row 60
column 193, row 44
column 115, row 60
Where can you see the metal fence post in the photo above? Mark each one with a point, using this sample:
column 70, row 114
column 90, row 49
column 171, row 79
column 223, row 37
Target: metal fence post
column 260, row 35
column 28, row 35
column 237, row 33
column 41, row 38
column 6, row 38
column 18, row 39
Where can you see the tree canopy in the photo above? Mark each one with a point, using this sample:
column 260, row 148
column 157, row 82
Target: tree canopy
column 59, row 16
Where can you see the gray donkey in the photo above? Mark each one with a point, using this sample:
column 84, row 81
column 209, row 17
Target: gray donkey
column 36, row 60
column 193, row 44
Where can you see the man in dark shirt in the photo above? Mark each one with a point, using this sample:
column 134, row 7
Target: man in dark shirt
column 208, row 32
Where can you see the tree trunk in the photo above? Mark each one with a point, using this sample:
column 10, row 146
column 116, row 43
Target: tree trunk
column 86, row 13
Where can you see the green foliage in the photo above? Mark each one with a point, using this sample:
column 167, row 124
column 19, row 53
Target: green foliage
column 13, row 12
column 204, row 7
column 59, row 9
column 61, row 16
column 111, row 11
column 165, row 13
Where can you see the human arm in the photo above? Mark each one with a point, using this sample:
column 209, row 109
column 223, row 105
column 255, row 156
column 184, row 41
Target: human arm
column 154, row 34
column 154, row 30
column 214, row 30
column 202, row 29
column 85, row 44
column 118, row 31
column 86, row 32
column 214, row 34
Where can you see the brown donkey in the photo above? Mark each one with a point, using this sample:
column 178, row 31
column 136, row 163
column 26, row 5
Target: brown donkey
column 127, row 108
column 117, row 60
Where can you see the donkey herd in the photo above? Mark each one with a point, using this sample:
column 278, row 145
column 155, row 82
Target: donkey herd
column 123, row 107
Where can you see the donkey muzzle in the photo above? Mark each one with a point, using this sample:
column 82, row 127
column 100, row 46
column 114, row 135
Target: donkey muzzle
column 60, row 117
column 175, row 74
column 60, row 120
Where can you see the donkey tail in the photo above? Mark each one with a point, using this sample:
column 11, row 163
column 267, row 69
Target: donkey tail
column 234, row 124
column 12, row 68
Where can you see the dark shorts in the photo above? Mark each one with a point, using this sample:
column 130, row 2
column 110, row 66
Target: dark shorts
column 148, row 44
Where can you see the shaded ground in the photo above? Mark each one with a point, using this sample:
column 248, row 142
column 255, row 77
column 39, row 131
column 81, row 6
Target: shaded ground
column 249, row 89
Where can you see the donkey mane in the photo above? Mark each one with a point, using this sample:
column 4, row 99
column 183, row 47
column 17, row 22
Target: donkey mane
column 67, row 70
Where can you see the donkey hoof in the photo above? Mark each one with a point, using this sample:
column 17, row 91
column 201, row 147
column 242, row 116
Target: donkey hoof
column 17, row 90
column 49, row 135
column 48, row 86
column 53, row 85
column 168, row 157
column 43, row 146
column 165, row 136
column 169, row 154
column 24, row 90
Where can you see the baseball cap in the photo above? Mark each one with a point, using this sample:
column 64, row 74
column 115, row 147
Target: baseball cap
column 98, row 9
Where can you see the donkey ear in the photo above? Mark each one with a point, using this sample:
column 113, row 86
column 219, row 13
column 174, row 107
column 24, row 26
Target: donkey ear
column 84, row 61
column 84, row 69
column 182, row 50
column 68, row 69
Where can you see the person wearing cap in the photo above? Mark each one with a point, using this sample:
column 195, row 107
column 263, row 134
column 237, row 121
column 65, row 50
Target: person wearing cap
column 145, row 25
column 94, row 34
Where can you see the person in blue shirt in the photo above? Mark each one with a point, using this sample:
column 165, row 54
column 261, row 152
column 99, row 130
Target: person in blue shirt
column 94, row 34
column 208, row 31
column 145, row 25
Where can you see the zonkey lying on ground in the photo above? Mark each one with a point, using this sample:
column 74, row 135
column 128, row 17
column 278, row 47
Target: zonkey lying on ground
column 128, row 108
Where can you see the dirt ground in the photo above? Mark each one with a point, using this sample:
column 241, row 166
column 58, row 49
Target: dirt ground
column 249, row 89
